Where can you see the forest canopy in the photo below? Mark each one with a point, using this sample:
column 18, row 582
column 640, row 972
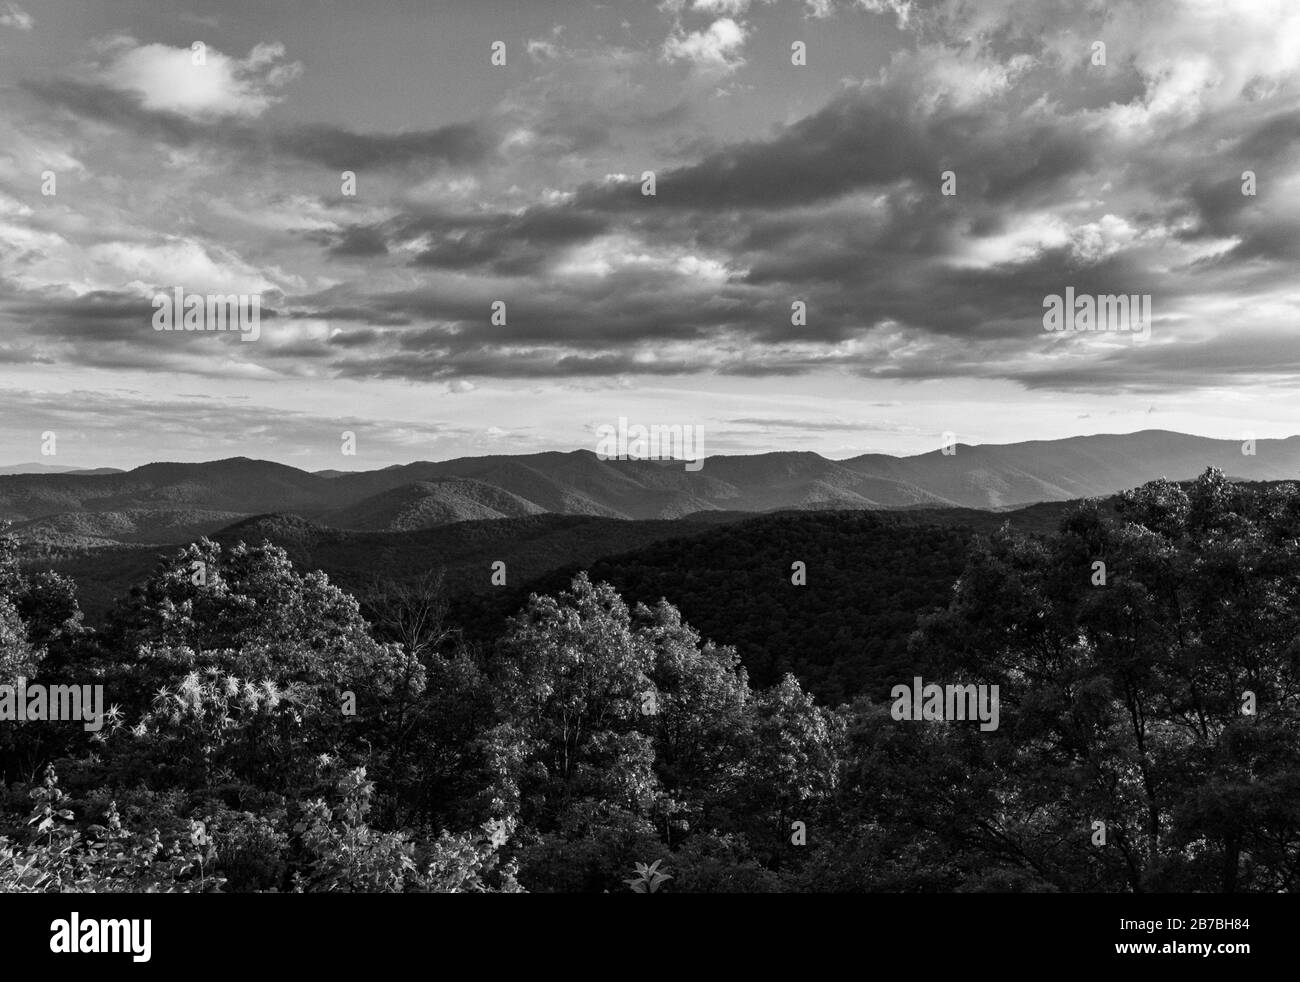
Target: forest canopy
column 268, row 731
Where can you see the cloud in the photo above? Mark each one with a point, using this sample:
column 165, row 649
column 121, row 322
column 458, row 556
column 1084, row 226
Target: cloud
column 809, row 423
column 715, row 49
column 872, row 136
column 359, row 241
column 89, row 420
column 540, row 49
column 329, row 146
column 201, row 82
column 1123, row 178
column 843, row 208
column 149, row 266
column 577, row 102
column 12, row 15
column 901, row 9
column 729, row 8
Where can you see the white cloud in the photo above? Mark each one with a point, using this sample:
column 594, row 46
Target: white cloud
column 23, row 154
column 1095, row 241
column 146, row 268
column 14, row 16
column 730, row 8
column 167, row 78
column 619, row 252
column 540, row 50
column 544, row 49
column 1198, row 56
column 938, row 75
column 901, row 9
column 716, row 48
column 437, row 190
column 288, row 212
column 1194, row 56
column 1022, row 240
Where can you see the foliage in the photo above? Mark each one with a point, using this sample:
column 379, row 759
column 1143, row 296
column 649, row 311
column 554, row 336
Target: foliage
column 271, row 733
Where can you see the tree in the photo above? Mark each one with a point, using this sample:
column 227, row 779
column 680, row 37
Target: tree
column 571, row 676
column 1123, row 703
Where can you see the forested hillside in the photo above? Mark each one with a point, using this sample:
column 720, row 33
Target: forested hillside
column 843, row 632
column 166, row 503
column 266, row 730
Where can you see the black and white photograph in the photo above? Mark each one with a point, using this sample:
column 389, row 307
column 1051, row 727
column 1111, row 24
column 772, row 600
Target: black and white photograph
column 601, row 447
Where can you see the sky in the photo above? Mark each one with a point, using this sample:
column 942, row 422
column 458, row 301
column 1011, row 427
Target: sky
column 1101, row 147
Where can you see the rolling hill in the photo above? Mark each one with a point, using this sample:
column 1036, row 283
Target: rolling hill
column 427, row 504
column 168, row 502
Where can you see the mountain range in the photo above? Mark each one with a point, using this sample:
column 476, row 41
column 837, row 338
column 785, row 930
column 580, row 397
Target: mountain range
column 175, row 502
column 38, row 468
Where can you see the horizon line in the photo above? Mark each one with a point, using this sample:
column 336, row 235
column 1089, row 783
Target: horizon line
column 69, row 469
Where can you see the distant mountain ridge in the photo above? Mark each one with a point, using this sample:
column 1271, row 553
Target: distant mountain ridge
column 157, row 502
column 37, row 468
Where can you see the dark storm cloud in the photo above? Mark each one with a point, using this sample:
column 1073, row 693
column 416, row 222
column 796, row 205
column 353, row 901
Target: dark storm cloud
column 869, row 139
column 1274, row 139
column 775, row 210
column 456, row 145
column 112, row 330
column 1219, row 206
column 355, row 339
column 1214, row 192
column 370, row 315
column 1167, row 362
column 621, row 312
column 98, row 317
column 496, row 243
column 507, row 245
column 864, row 140
column 360, row 240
